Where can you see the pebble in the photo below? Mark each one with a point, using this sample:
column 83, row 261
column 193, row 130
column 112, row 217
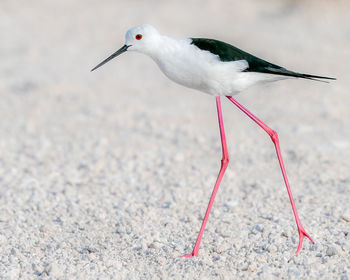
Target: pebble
column 293, row 270
column 346, row 216
column 258, row 228
column 3, row 239
column 221, row 248
column 252, row 267
column 331, row 251
column 5, row 215
column 155, row 245
column 272, row 248
column 54, row 270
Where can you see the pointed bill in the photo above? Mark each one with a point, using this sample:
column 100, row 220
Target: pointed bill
column 118, row 52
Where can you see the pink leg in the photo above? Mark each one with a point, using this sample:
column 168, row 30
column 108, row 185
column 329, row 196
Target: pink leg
column 274, row 138
column 224, row 163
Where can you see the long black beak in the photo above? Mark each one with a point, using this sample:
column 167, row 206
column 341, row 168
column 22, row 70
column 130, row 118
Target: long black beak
column 118, row 52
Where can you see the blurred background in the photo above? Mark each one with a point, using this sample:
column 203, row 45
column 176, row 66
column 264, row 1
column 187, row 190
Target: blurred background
column 76, row 144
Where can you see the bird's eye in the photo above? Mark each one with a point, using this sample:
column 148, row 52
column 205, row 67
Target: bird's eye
column 138, row 37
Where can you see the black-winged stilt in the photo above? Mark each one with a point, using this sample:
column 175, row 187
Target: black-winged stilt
column 219, row 69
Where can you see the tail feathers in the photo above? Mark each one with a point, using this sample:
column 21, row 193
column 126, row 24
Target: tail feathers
column 285, row 72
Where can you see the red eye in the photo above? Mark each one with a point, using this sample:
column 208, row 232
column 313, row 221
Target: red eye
column 138, row 37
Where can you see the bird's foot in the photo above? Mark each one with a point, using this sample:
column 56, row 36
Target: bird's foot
column 302, row 233
column 188, row 256
column 193, row 254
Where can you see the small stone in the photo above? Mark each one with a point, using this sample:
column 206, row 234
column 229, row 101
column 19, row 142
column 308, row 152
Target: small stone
column 331, row 251
column 221, row 248
column 43, row 228
column 346, row 245
column 5, row 215
column 179, row 157
column 272, row 248
column 155, row 245
column 245, row 267
column 88, row 250
column 165, row 249
column 54, row 270
column 252, row 267
column 258, row 228
column 3, row 238
column 293, row 270
column 319, row 255
column 36, row 268
column 346, row 216
column 47, row 269
column 166, row 204
column 231, row 204
column 260, row 249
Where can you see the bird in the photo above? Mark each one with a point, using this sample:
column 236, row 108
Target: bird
column 218, row 69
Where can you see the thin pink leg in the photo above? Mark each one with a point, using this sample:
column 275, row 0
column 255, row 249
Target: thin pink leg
column 224, row 163
column 274, row 138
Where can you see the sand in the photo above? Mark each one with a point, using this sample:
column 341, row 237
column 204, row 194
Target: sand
column 106, row 175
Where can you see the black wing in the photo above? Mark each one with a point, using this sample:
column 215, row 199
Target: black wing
column 227, row 52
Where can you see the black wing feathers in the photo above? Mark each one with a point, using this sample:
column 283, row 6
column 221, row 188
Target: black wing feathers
column 227, row 52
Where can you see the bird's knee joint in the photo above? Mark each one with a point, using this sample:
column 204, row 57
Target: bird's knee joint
column 225, row 161
column 274, row 136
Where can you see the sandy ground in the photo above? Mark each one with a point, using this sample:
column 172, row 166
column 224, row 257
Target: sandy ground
column 106, row 175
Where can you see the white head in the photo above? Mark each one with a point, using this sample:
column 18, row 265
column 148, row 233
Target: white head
column 142, row 38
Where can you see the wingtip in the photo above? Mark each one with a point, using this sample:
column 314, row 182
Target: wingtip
column 317, row 78
column 328, row 78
